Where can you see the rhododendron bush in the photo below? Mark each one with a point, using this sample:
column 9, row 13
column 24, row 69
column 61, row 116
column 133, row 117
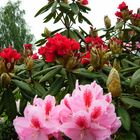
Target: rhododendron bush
column 80, row 85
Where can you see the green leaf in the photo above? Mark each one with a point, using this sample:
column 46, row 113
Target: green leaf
column 74, row 8
column 40, row 42
column 50, row 74
column 44, row 9
column 9, row 104
column 71, row 81
column 25, row 87
column 135, row 27
column 56, row 86
column 54, row 6
column 65, row 5
column 44, row 71
column 125, row 118
column 86, row 20
column 73, row 35
column 22, row 105
column 83, row 8
column 135, row 78
column 55, row 31
column 49, row 17
column 58, row 17
column 119, row 25
column 131, row 102
column 79, row 35
column 84, row 73
column 40, row 89
column 80, row 17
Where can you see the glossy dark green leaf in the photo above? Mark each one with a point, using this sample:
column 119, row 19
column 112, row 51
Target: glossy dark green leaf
column 130, row 102
column 55, row 31
column 40, row 89
column 49, row 17
column 86, row 20
column 54, row 6
column 56, row 86
column 135, row 78
column 71, row 81
column 40, row 42
column 64, row 5
column 135, row 27
column 74, row 8
column 50, row 74
column 44, row 71
column 124, row 117
column 22, row 105
column 80, row 17
column 44, row 9
column 73, row 35
column 79, row 35
column 58, row 18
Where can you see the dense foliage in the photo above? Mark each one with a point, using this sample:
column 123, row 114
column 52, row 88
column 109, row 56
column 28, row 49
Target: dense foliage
column 68, row 54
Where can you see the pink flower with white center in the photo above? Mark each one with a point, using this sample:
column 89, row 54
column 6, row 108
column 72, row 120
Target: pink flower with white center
column 32, row 126
column 37, row 123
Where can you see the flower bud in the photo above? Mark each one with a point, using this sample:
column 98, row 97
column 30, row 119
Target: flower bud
column 5, row 79
column 107, row 22
column 29, row 63
column 93, row 32
column 2, row 67
column 115, row 45
column 47, row 32
column 116, row 65
column 113, row 83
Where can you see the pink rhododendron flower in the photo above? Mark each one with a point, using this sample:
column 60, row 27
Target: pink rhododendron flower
column 87, row 114
column 90, row 115
column 37, row 123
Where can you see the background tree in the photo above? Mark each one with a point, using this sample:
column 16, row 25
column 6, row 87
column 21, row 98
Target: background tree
column 13, row 28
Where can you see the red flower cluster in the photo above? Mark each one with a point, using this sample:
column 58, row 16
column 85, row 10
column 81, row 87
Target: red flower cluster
column 136, row 16
column 124, row 12
column 93, row 42
column 122, row 6
column 96, row 42
column 58, row 46
column 115, row 40
column 28, row 46
column 84, row 2
column 86, row 58
column 35, row 56
column 10, row 55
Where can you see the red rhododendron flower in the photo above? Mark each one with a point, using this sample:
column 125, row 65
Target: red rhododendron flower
column 122, row 6
column 86, row 58
column 84, row 2
column 118, row 14
column 10, row 55
column 58, row 46
column 35, row 56
column 28, row 46
column 96, row 42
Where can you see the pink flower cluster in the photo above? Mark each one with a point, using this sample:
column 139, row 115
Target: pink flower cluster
column 87, row 114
